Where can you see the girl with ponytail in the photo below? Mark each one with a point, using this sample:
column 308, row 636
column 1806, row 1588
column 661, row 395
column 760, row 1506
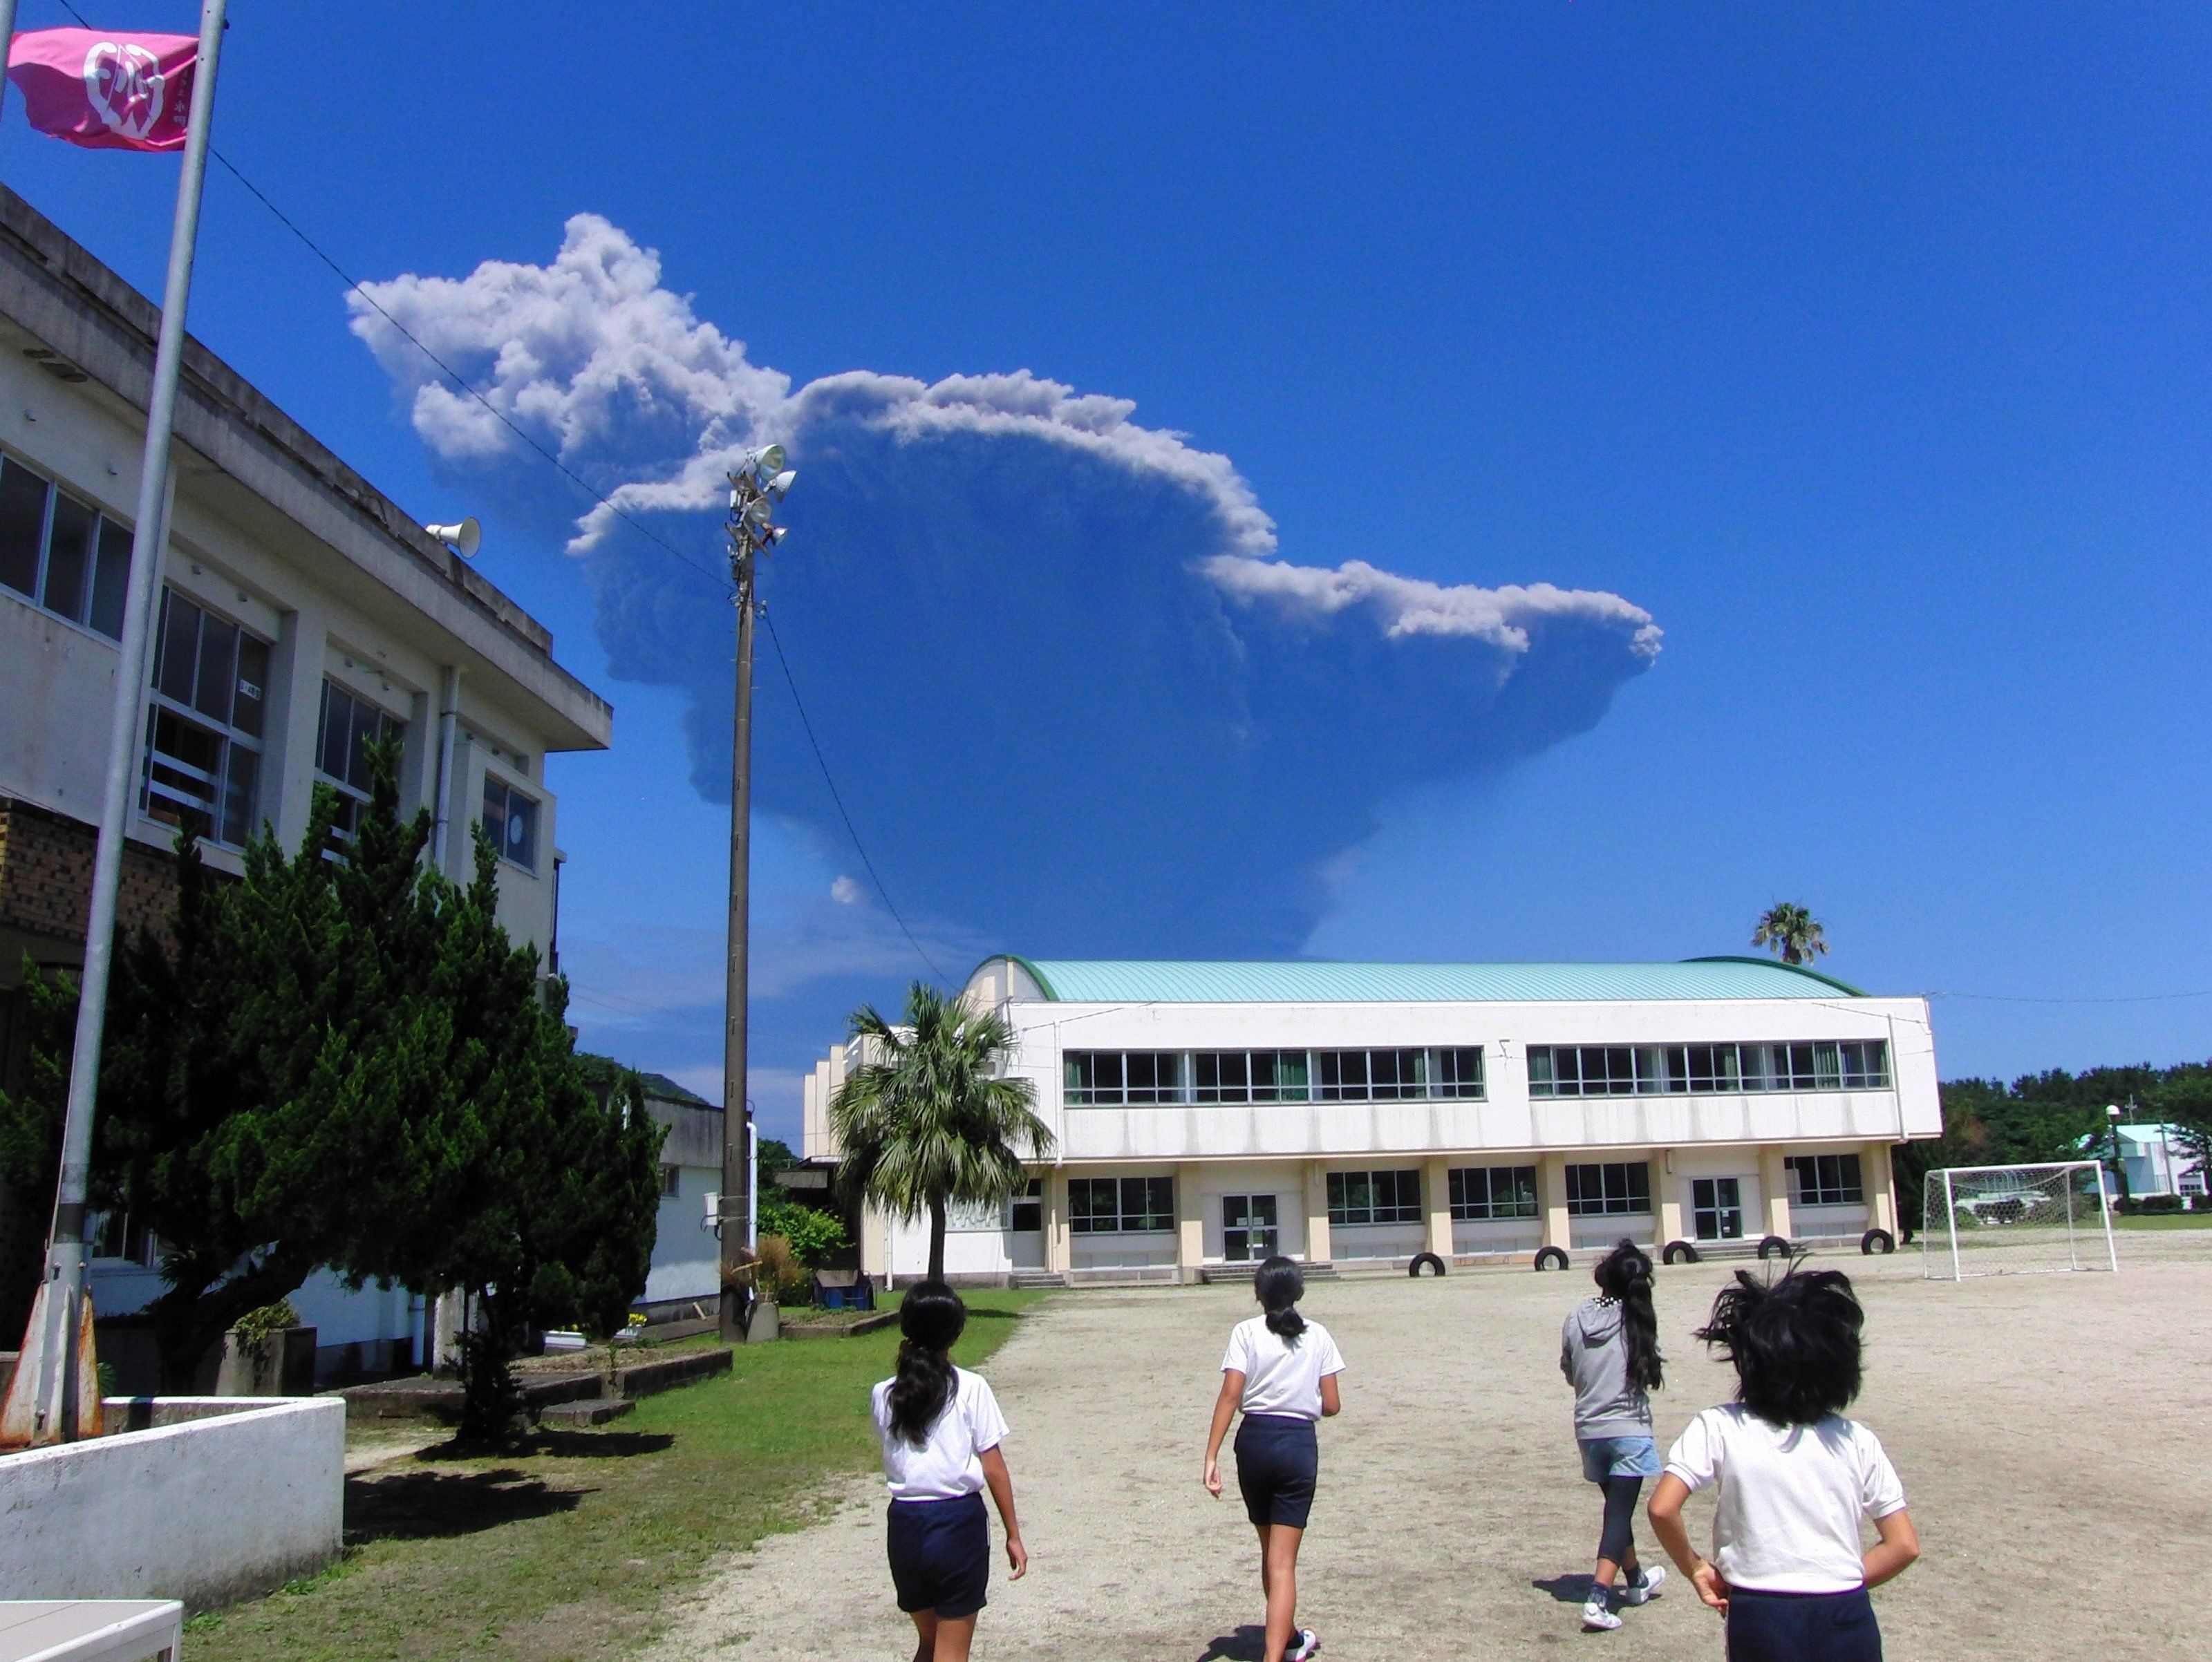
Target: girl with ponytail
column 940, row 1429
column 1609, row 1351
column 1281, row 1371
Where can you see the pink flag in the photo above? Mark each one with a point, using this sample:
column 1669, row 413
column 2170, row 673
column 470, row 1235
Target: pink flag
column 106, row 90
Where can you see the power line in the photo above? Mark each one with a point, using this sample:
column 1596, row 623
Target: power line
column 2130, row 998
column 459, row 380
column 821, row 762
column 354, row 286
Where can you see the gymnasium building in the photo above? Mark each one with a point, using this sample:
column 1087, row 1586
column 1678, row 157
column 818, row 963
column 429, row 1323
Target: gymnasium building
column 1207, row 1115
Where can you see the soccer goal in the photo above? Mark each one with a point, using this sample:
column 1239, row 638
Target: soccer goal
column 2015, row 1220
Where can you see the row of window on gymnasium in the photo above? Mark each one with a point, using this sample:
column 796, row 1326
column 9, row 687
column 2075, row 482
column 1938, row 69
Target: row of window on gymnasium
column 1137, row 1078
column 205, row 729
column 1145, row 1205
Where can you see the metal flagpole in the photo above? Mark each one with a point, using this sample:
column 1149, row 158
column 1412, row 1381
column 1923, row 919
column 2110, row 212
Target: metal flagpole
column 61, row 1314
column 7, row 40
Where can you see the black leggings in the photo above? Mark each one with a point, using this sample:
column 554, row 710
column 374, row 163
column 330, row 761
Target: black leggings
column 1614, row 1541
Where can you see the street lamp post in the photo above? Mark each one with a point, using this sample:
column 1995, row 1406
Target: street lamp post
column 755, row 489
column 2119, row 1153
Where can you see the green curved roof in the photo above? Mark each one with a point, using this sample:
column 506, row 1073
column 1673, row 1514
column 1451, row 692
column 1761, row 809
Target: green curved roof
column 1309, row 981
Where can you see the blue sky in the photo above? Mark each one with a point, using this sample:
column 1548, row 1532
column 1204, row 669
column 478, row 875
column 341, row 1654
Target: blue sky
column 1860, row 351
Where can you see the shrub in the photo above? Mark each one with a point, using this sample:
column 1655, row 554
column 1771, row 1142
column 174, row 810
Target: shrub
column 813, row 1235
column 2162, row 1202
column 255, row 1325
column 779, row 1273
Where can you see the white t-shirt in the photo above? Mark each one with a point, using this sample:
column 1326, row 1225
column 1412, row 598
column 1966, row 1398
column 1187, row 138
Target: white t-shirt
column 949, row 1464
column 1281, row 1378
column 1791, row 1496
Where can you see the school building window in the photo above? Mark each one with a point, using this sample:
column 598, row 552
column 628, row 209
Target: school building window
column 510, row 819
column 203, row 756
column 1121, row 1206
column 119, row 1238
column 1375, row 1197
column 1108, row 1077
column 671, row 1181
column 1250, row 1076
column 350, row 727
column 1483, row 1192
column 1025, row 1212
column 60, row 554
column 1372, row 1075
column 1607, row 1190
column 1827, row 1180
column 1706, row 1069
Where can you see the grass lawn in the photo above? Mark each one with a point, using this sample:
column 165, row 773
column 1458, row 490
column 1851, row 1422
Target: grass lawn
column 2163, row 1220
column 571, row 1549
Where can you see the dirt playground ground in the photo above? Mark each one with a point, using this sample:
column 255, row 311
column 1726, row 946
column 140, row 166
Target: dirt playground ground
column 2052, row 1433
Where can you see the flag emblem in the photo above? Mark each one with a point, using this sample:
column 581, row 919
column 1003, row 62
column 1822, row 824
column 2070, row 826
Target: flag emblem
column 124, row 84
column 107, row 91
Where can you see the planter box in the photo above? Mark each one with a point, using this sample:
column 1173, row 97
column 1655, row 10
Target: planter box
column 216, row 1499
column 281, row 1365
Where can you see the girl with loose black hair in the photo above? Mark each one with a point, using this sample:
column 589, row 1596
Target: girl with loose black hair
column 1282, row 1372
column 940, row 1429
column 1796, row 1480
column 1609, row 1351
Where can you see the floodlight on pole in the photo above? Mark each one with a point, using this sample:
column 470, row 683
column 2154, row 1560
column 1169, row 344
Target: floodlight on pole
column 770, row 459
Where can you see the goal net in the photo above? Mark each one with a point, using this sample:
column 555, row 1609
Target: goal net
column 2015, row 1220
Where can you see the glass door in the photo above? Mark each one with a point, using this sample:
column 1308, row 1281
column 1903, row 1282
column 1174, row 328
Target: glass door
column 1248, row 1229
column 1025, row 1227
column 1716, row 1208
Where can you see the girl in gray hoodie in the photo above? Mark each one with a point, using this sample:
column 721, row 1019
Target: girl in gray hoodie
column 1609, row 1351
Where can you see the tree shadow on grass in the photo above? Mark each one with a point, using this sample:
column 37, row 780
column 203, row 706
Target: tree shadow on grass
column 557, row 1444
column 985, row 1313
column 1247, row 1644
column 423, row 1505
column 1567, row 1589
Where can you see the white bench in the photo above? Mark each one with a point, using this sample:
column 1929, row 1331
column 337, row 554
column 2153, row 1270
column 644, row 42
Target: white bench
column 90, row 1629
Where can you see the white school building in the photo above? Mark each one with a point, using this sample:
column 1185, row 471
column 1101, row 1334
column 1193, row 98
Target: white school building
column 1207, row 1115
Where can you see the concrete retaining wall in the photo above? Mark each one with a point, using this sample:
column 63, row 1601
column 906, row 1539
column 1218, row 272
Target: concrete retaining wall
column 219, row 1498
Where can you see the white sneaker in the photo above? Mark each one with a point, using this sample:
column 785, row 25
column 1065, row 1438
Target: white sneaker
column 1647, row 1588
column 1596, row 1617
column 1302, row 1647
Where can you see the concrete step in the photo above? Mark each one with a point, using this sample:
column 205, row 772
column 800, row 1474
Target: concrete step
column 1241, row 1274
column 586, row 1411
column 642, row 1379
column 1035, row 1279
column 424, row 1397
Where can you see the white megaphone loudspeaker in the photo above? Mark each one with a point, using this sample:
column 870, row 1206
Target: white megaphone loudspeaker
column 465, row 539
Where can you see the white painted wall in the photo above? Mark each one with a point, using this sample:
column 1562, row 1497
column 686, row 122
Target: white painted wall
column 1509, row 1120
column 208, row 1511
column 270, row 532
column 686, row 1262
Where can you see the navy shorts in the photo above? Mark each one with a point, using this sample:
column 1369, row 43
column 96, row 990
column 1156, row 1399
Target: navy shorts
column 1277, row 1463
column 940, row 1555
column 1802, row 1627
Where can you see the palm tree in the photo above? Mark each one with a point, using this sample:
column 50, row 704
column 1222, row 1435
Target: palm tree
column 929, row 1122
column 1792, row 931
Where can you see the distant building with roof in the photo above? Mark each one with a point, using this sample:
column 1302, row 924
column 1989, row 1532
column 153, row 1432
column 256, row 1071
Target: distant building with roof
column 686, row 1265
column 1207, row 1115
column 2159, row 1160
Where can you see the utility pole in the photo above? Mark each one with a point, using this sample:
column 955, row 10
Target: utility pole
column 754, row 491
